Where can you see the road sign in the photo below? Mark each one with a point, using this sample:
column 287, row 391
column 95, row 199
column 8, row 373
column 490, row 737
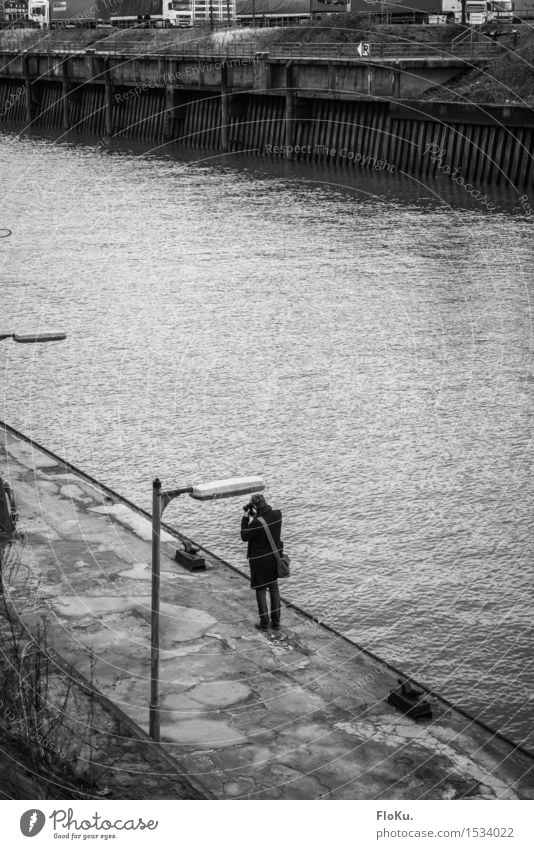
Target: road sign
column 364, row 49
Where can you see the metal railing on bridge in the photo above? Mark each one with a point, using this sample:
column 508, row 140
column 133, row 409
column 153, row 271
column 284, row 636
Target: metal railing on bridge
column 377, row 51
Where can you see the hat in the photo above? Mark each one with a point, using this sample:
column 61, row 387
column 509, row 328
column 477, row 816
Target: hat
column 259, row 502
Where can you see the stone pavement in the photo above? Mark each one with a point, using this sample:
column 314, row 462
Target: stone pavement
column 296, row 715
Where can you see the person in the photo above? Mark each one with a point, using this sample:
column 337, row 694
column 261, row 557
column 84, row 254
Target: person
column 8, row 511
column 262, row 561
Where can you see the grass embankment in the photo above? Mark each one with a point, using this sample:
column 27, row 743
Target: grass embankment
column 353, row 28
column 341, row 29
column 509, row 78
column 20, row 39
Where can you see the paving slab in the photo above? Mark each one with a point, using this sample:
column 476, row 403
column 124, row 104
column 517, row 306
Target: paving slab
column 300, row 714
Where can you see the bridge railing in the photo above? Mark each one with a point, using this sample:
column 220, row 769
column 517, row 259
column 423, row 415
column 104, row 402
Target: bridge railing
column 291, row 50
column 387, row 50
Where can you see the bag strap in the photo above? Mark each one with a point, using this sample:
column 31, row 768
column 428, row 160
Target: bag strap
column 269, row 537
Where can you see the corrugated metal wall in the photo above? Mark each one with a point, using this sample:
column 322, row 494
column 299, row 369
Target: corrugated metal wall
column 362, row 133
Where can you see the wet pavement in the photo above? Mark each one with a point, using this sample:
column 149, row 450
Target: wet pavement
column 295, row 714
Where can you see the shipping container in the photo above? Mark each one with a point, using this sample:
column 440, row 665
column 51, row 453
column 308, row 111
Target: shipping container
column 413, row 11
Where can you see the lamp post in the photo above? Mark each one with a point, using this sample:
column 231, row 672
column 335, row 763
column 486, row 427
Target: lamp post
column 8, row 509
column 211, row 491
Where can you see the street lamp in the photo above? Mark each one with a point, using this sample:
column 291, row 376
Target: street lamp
column 8, row 510
column 160, row 499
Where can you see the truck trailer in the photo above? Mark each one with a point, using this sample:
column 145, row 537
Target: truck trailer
column 56, row 14
column 152, row 13
column 280, row 12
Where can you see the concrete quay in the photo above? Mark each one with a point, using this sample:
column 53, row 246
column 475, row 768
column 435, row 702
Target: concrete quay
column 326, row 111
column 297, row 715
column 242, row 71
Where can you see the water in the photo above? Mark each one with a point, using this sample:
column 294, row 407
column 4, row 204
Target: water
column 363, row 341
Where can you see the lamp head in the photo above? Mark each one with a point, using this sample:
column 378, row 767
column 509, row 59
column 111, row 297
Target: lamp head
column 227, row 488
column 40, row 337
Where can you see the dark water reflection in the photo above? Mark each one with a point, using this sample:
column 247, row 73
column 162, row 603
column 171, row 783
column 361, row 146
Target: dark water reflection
column 364, row 341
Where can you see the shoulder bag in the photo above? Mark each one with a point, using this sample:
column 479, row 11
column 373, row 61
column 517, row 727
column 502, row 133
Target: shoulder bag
column 282, row 560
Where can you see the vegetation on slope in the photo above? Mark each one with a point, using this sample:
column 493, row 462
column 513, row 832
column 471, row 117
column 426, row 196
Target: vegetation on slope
column 509, row 78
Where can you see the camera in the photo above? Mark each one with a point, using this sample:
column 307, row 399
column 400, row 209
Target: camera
column 249, row 508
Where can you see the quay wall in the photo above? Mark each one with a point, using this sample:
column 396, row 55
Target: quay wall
column 299, row 715
column 269, row 107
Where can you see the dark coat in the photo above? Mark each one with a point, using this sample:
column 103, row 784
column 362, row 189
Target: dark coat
column 263, row 563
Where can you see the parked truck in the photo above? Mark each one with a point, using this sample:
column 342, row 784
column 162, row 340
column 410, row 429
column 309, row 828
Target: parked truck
column 478, row 12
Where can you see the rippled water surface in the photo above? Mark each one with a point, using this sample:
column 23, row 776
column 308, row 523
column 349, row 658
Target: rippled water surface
column 364, row 342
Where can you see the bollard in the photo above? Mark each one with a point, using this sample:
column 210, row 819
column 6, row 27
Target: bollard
column 410, row 701
column 190, row 558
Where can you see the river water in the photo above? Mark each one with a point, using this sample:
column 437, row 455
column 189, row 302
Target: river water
column 363, row 341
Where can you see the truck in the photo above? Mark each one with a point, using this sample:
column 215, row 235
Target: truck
column 152, row 13
column 58, row 14
column 478, row 12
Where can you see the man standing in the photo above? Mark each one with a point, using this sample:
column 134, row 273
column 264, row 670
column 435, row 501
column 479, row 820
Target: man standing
column 262, row 561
